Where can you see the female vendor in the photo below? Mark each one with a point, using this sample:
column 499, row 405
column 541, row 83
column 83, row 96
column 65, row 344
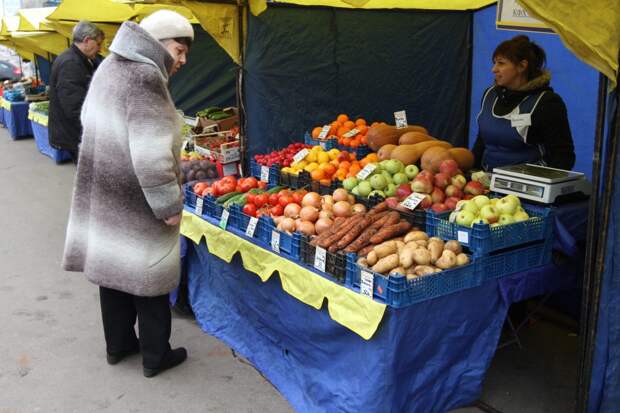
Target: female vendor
column 521, row 119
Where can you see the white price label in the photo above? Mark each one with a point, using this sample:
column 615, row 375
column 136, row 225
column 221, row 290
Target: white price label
column 229, row 169
column 366, row 171
column 320, row 256
column 199, row 205
column 366, row 283
column 463, row 237
column 224, row 219
column 351, row 133
column 400, row 118
column 251, row 229
column 324, row 131
column 193, row 122
column 413, row 200
column 299, row 156
column 275, row 241
column 264, row 173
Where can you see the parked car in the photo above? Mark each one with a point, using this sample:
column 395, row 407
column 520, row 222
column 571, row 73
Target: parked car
column 9, row 71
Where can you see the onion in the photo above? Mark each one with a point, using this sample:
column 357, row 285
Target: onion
column 309, row 213
column 341, row 194
column 327, row 200
column 358, row 208
column 351, row 199
column 324, row 214
column 311, row 199
column 287, row 224
column 328, row 207
column 305, row 227
column 322, row 225
column 342, row 209
column 292, row 211
column 277, row 220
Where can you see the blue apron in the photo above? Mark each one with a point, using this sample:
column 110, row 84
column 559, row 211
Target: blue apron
column 505, row 137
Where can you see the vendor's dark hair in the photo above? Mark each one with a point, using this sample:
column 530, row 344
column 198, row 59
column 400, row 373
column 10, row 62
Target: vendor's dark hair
column 521, row 48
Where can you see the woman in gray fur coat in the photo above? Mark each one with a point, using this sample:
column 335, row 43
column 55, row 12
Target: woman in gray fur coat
column 123, row 229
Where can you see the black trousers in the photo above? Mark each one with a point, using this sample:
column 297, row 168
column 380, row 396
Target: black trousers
column 119, row 311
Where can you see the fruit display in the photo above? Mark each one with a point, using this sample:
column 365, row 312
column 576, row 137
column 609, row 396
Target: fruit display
column 283, row 158
column 214, row 113
column 227, row 185
column 195, row 166
column 494, row 212
column 347, row 132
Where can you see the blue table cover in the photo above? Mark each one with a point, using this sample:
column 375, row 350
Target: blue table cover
column 16, row 120
column 429, row 357
column 41, row 137
column 2, row 117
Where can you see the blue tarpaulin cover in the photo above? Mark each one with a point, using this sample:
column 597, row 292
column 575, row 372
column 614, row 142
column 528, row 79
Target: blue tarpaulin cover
column 41, row 138
column 16, row 120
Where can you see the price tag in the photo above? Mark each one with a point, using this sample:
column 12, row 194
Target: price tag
column 324, row 131
column 224, row 219
column 366, row 171
column 193, row 122
column 275, row 241
column 366, row 283
column 299, row 156
column 351, row 133
column 400, row 118
column 264, row 173
column 251, row 229
column 463, row 237
column 413, row 200
column 229, row 169
column 320, row 256
column 199, row 205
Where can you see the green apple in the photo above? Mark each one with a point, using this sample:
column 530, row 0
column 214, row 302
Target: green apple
column 364, row 188
column 507, row 205
column 505, row 219
column 465, row 218
column 350, row 183
column 356, row 191
column 411, row 171
column 400, row 178
column 393, row 166
column 479, row 221
column 470, row 206
column 390, row 190
column 490, row 213
column 521, row 216
column 378, row 181
column 377, row 193
column 480, row 200
column 388, row 177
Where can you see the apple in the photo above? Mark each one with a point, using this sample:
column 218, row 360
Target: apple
column 439, row 207
column 344, row 156
column 474, row 188
column 508, row 205
column 400, row 178
column 481, row 177
column 426, row 202
column 428, row 174
column 438, row 196
column 520, row 216
column 393, row 166
column 442, row 180
column 364, row 188
column 465, row 218
column 376, row 192
column 411, row 171
column 449, row 167
column 387, row 176
column 350, row 183
column 356, row 191
column 468, row 196
column 378, row 182
column 392, row 202
column 489, row 212
column 481, row 200
column 479, row 221
column 451, row 202
column 403, row 191
column 422, row 185
column 505, row 219
column 390, row 190
column 469, row 206
column 453, row 191
column 459, row 181
column 493, row 201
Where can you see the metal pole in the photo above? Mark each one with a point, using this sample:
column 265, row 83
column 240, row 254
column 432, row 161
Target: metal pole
column 241, row 11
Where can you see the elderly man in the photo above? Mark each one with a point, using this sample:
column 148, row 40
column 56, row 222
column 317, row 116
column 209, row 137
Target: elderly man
column 69, row 80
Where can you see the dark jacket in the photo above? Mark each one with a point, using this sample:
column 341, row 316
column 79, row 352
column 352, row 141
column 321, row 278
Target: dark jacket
column 69, row 80
column 550, row 127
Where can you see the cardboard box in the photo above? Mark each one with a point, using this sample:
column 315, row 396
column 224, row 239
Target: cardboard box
column 221, row 125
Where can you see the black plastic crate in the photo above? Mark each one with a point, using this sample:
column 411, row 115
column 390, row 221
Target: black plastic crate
column 335, row 263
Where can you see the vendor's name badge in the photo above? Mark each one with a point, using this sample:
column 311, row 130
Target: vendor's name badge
column 366, row 283
column 400, row 118
column 199, row 205
column 521, row 120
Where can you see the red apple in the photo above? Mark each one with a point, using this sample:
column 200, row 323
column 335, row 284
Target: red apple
column 453, row 191
column 403, row 191
column 426, row 202
column 438, row 196
column 439, row 207
column 449, row 167
column 442, row 180
column 451, row 202
column 422, row 185
column 391, row 202
column 427, row 174
column 474, row 188
column 459, row 181
column 467, row 197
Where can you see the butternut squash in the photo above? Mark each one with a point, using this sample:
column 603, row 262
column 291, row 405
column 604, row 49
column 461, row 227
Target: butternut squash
column 432, row 157
column 380, row 135
column 385, row 151
column 464, row 157
column 411, row 138
column 410, row 154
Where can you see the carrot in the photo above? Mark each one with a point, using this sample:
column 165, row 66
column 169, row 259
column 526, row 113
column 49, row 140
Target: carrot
column 342, row 230
column 357, row 229
column 380, row 207
column 364, row 251
column 390, row 232
column 361, row 241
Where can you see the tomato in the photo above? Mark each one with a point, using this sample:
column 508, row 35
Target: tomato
column 285, row 200
column 261, row 200
column 229, row 179
column 262, row 185
column 284, row 192
column 297, row 197
column 245, row 186
column 252, row 182
column 238, row 189
column 250, row 198
column 226, row 187
column 199, row 187
column 208, row 191
column 249, row 209
column 277, row 210
column 273, row 199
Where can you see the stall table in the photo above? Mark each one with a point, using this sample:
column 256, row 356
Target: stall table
column 41, row 137
column 16, row 119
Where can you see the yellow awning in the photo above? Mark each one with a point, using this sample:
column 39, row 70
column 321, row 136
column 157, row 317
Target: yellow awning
column 34, row 19
column 40, row 43
column 9, row 24
column 389, row 4
column 591, row 30
column 93, row 11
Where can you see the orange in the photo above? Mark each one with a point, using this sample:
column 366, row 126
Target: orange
column 350, row 174
column 349, row 124
column 352, row 156
column 326, row 182
column 342, row 130
column 340, row 141
column 360, row 121
column 362, row 128
column 355, row 143
column 372, row 157
column 342, row 118
column 364, row 162
column 328, row 169
column 316, row 132
column 354, row 169
column 341, row 175
column 335, row 163
column 364, row 140
column 345, row 165
column 374, row 124
column 317, row 174
column 346, row 141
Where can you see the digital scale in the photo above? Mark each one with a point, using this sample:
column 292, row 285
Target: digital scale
column 539, row 183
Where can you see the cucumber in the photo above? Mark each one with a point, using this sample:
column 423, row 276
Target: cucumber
column 276, row 189
column 240, row 200
column 207, row 111
column 226, row 197
column 255, row 191
column 218, row 115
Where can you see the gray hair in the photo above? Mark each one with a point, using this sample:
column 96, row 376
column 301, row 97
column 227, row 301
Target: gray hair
column 85, row 29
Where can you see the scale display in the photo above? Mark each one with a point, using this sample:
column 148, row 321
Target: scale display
column 538, row 173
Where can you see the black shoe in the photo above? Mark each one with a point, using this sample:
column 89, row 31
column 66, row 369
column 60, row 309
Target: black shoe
column 117, row 358
column 175, row 357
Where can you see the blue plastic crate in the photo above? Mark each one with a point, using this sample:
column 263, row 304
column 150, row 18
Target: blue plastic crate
column 290, row 244
column 190, row 196
column 397, row 291
column 516, row 260
column 481, row 239
column 239, row 221
column 274, row 172
column 360, row 152
column 211, row 208
column 326, row 144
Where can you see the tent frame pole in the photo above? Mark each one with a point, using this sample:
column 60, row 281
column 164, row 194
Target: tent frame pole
column 241, row 12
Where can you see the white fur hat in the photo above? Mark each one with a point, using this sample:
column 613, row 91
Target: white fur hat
column 167, row 24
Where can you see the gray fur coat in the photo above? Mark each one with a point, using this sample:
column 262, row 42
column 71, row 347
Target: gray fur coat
column 127, row 176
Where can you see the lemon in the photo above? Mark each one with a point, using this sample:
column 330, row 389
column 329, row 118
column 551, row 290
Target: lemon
column 333, row 153
column 322, row 157
column 311, row 157
column 311, row 167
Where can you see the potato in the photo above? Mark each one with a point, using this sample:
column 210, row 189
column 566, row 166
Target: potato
column 363, row 262
column 372, row 258
column 385, row 264
column 410, row 271
column 447, row 260
column 398, row 239
column 405, row 256
column 435, row 239
column 435, row 249
column 462, row 259
column 423, row 270
column 453, row 246
column 412, row 244
column 397, row 270
column 422, row 256
column 385, row 249
column 422, row 243
column 399, row 246
column 416, row 236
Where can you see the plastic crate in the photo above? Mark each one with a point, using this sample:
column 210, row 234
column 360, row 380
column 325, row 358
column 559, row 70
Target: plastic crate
column 322, row 189
column 239, row 221
column 397, row 291
column 481, row 239
column 360, row 152
column 274, row 172
column 290, row 244
column 210, row 207
column 190, row 196
column 301, row 180
column 515, row 260
column 326, row 144
column 335, row 263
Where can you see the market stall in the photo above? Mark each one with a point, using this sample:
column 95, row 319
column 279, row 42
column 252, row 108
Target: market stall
column 38, row 115
column 16, row 118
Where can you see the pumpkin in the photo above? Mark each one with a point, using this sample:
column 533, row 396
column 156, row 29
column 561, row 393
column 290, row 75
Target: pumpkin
column 385, row 151
column 380, row 135
column 433, row 157
column 411, row 138
column 464, row 157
